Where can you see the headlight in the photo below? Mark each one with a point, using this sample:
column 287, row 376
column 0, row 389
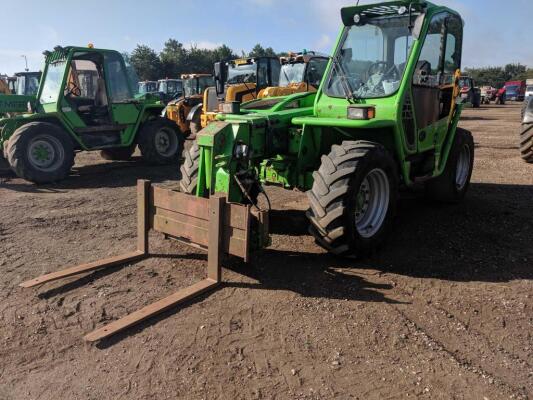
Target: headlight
column 241, row 151
column 361, row 112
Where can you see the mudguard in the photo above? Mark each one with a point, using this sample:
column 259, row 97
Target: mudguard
column 190, row 116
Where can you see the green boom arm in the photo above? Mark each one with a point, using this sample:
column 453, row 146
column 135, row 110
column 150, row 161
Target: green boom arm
column 15, row 103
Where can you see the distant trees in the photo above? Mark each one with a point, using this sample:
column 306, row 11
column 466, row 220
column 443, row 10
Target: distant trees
column 497, row 76
column 259, row 51
column 175, row 59
column 146, row 62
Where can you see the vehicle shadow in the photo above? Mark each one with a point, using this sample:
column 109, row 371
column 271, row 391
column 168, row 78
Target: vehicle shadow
column 476, row 118
column 112, row 174
column 485, row 238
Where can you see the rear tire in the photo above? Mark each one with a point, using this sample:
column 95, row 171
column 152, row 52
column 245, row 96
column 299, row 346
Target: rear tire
column 451, row 186
column 523, row 110
column 118, row 154
column 526, row 142
column 353, row 198
column 160, row 142
column 40, row 152
column 189, row 169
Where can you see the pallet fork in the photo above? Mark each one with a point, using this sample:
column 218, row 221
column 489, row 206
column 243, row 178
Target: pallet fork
column 209, row 224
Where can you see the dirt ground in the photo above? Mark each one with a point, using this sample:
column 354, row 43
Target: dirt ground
column 444, row 311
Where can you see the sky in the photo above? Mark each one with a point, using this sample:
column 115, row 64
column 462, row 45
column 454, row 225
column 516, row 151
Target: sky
column 496, row 31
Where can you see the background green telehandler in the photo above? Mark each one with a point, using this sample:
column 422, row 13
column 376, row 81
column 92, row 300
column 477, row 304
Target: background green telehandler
column 384, row 117
column 85, row 101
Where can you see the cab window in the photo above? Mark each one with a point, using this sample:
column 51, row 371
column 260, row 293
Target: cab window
column 117, row 79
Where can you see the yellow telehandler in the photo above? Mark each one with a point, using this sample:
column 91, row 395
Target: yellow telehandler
column 186, row 110
column 300, row 72
column 239, row 80
column 249, row 79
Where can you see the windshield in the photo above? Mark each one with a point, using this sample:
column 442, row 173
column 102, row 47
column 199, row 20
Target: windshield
column 512, row 88
column 27, row 85
column 244, row 73
column 147, row 87
column 170, row 87
column 372, row 58
column 530, row 89
column 291, row 73
column 196, row 86
column 52, row 82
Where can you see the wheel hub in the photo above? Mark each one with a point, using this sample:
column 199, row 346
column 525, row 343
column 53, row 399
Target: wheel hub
column 165, row 143
column 372, row 203
column 161, row 142
column 42, row 153
column 45, row 153
column 463, row 167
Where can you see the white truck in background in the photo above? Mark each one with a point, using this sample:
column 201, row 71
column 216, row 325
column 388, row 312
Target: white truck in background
column 529, row 88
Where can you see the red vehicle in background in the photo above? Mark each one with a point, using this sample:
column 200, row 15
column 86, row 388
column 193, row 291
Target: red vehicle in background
column 515, row 90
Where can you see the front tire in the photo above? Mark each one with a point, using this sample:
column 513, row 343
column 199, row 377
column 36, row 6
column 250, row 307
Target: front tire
column 40, row 152
column 160, row 142
column 353, row 198
column 451, row 186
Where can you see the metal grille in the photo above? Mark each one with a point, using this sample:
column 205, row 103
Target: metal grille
column 381, row 10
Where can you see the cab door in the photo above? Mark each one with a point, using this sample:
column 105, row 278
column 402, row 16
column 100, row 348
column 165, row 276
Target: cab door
column 124, row 110
column 434, row 80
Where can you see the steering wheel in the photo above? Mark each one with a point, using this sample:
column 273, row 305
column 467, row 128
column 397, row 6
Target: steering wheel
column 73, row 89
column 352, row 80
column 423, row 70
column 393, row 71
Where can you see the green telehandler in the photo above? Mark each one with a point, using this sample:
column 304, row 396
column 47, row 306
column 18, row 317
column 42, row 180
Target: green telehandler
column 84, row 102
column 385, row 117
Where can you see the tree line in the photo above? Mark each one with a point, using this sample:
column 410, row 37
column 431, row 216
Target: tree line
column 176, row 59
column 497, row 76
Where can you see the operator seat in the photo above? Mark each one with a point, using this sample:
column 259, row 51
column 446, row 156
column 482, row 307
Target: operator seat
column 96, row 114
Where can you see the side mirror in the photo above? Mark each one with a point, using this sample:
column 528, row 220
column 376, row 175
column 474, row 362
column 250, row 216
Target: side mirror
column 220, row 77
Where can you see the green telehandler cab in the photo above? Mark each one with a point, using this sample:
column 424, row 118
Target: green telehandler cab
column 385, row 116
column 85, row 101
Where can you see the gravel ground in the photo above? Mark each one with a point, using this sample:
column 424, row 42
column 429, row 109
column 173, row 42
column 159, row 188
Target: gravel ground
column 444, row 311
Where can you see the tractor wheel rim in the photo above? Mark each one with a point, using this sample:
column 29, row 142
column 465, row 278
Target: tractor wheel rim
column 45, row 153
column 372, row 203
column 166, row 142
column 463, row 167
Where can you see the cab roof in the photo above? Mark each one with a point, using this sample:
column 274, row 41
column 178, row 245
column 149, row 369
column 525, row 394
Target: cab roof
column 61, row 53
column 383, row 9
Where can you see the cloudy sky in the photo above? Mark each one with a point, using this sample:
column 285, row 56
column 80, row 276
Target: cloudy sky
column 495, row 31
